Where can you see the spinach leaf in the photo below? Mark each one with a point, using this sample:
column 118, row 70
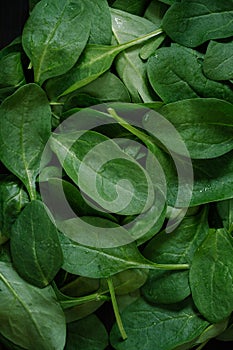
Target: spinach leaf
column 129, row 66
column 212, row 179
column 211, row 276
column 99, row 173
column 177, row 247
column 91, row 261
column 99, row 263
column 39, row 258
column 163, row 329
column 27, row 114
column 107, row 88
column 194, row 119
column 95, row 60
column 192, row 22
column 218, row 61
column 12, row 200
column 175, row 73
column 86, row 334
column 11, row 73
column 50, row 36
column 37, row 309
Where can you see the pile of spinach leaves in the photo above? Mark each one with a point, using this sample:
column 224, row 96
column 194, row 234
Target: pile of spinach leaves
column 167, row 291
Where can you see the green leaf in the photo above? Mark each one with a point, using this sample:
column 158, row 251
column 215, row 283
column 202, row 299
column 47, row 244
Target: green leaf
column 35, row 246
column 218, row 61
column 175, row 73
column 191, row 23
column 211, row 276
column 225, row 211
column 95, row 60
column 113, row 179
column 86, row 334
column 50, row 36
column 27, row 115
column 12, row 199
column 157, row 327
column 213, row 179
column 177, row 247
column 130, row 68
column 205, row 125
column 79, row 312
column 26, row 309
column 11, row 73
column 107, row 88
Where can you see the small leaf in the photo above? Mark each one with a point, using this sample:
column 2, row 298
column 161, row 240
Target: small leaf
column 191, row 23
column 194, row 119
column 176, row 247
column 55, row 35
column 95, row 60
column 218, row 61
column 176, row 73
column 35, row 246
column 211, row 276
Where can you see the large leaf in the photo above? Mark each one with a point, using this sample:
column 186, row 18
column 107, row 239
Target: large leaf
column 177, row 247
column 91, row 261
column 129, row 66
column 110, row 177
column 211, row 276
column 55, row 35
column 12, row 199
column 152, row 327
column 35, row 246
column 25, row 124
column 218, row 61
column 205, row 125
column 27, row 310
column 86, row 334
column 192, row 22
column 175, row 73
column 95, row 60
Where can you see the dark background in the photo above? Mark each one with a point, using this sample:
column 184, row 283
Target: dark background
column 13, row 15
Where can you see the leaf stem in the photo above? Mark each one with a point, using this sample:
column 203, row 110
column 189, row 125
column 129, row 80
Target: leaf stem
column 66, row 304
column 115, row 308
column 141, row 135
column 141, row 39
column 171, row 267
